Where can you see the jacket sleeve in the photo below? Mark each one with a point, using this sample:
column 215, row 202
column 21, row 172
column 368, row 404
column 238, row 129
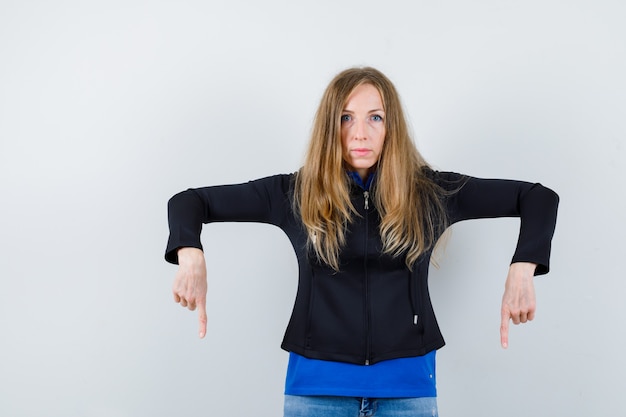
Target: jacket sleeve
column 264, row 200
column 535, row 205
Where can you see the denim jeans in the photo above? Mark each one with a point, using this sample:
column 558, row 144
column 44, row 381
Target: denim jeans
column 313, row 406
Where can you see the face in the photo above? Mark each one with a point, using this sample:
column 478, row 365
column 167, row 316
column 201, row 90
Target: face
column 363, row 129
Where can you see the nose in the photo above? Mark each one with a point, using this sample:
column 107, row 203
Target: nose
column 360, row 130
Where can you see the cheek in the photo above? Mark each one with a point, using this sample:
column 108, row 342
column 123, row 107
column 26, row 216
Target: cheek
column 344, row 140
column 381, row 140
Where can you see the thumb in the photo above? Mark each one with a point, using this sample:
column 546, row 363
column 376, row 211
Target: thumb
column 504, row 328
column 202, row 318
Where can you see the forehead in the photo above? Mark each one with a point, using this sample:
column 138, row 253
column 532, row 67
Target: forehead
column 364, row 95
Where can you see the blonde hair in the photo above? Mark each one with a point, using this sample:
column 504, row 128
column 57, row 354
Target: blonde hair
column 409, row 203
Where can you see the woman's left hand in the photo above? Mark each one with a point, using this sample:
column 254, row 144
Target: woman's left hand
column 518, row 301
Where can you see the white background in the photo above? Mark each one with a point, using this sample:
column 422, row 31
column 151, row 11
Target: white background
column 107, row 108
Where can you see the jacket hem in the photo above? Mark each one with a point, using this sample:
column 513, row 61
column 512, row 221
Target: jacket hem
column 360, row 359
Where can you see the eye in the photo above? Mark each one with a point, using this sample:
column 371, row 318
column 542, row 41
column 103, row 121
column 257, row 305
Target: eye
column 345, row 118
column 377, row 118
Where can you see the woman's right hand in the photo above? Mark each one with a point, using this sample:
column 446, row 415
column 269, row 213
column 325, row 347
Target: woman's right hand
column 190, row 284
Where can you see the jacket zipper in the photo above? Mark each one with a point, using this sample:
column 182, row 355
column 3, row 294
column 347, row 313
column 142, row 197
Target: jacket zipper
column 366, row 196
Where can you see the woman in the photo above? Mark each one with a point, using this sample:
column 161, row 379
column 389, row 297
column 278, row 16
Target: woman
column 363, row 215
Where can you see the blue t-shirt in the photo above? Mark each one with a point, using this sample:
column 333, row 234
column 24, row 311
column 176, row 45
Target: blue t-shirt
column 396, row 378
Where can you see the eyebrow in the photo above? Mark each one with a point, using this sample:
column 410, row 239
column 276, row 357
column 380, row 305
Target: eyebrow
column 369, row 111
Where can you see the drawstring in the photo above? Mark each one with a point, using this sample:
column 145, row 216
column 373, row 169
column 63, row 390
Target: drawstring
column 414, row 295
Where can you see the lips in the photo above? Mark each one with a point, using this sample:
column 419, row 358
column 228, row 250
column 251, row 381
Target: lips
column 361, row 151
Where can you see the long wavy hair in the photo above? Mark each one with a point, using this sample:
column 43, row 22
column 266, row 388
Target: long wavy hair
column 409, row 203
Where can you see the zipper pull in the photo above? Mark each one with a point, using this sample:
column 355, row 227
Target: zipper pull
column 415, row 319
column 366, row 194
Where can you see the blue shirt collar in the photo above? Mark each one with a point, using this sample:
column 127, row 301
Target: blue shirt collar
column 357, row 179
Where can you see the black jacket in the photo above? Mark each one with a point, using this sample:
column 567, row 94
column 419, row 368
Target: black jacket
column 374, row 308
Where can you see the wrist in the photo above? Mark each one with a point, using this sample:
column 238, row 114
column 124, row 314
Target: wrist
column 189, row 255
column 525, row 268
